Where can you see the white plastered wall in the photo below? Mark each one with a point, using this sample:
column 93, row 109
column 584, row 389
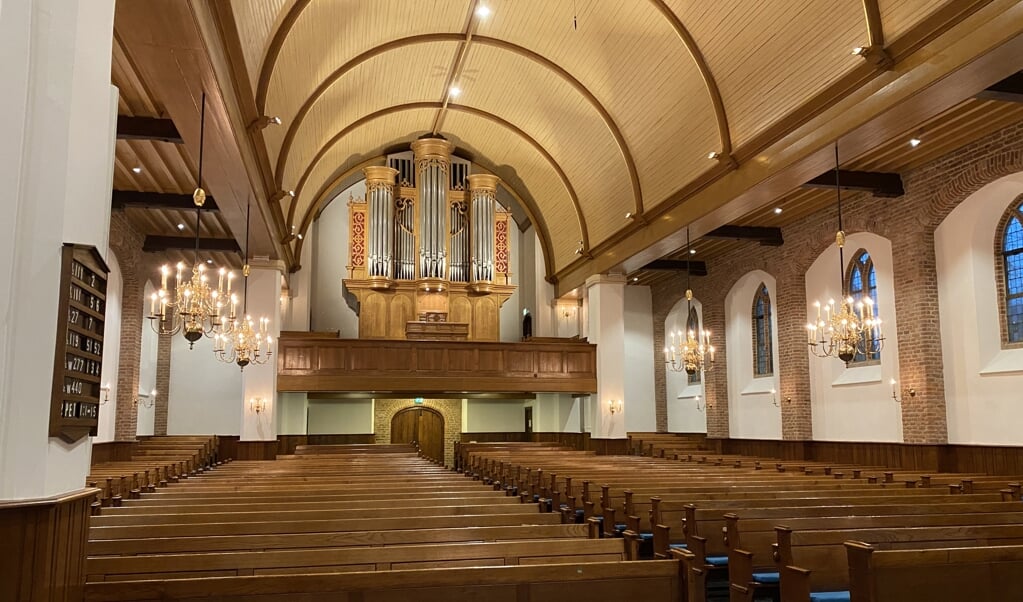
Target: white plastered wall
column 641, row 407
column 855, row 403
column 147, row 372
column 683, row 414
column 340, row 416
column 111, row 351
column 982, row 381
column 329, row 311
column 752, row 413
column 494, row 416
column 205, row 394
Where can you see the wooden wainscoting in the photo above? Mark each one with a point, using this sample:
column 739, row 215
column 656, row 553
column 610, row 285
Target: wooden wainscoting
column 329, row 364
column 579, row 441
column 42, row 547
column 286, row 443
column 989, row 459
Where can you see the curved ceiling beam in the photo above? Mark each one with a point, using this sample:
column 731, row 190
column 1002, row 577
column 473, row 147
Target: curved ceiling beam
column 464, row 109
column 605, row 115
column 273, row 52
column 326, row 192
column 708, row 78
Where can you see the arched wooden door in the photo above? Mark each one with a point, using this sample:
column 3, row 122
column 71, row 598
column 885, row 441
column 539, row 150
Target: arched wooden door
column 424, row 426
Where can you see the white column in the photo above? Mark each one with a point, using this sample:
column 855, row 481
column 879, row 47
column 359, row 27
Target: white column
column 606, row 312
column 57, row 119
column 260, row 382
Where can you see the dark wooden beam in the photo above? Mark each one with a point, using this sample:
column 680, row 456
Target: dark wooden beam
column 770, row 237
column 147, row 128
column 878, row 183
column 696, row 268
column 1009, row 89
column 158, row 244
column 124, row 199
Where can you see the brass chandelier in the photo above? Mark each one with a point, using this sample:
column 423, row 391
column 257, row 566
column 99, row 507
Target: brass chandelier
column 241, row 342
column 192, row 306
column 689, row 351
column 850, row 328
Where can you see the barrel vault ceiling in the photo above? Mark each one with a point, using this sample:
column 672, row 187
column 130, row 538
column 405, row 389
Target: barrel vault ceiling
column 588, row 110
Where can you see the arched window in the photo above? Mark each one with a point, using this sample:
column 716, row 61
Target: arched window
column 763, row 363
column 1012, row 274
column 693, row 326
column 861, row 280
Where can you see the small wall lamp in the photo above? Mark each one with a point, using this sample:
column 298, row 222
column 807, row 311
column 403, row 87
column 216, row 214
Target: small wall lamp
column 614, row 405
column 895, row 391
column 144, row 400
column 700, row 407
column 257, row 404
column 105, row 389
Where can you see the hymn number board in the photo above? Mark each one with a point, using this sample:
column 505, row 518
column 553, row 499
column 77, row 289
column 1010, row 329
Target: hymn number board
column 78, row 359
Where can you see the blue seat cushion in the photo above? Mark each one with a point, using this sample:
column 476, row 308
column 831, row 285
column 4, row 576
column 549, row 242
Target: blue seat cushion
column 646, row 536
column 766, row 577
column 621, row 527
column 563, row 507
column 717, row 560
column 536, row 497
column 678, row 546
column 830, row 597
column 580, row 513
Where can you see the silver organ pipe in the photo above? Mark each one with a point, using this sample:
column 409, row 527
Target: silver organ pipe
column 380, row 197
column 483, row 199
column 432, row 160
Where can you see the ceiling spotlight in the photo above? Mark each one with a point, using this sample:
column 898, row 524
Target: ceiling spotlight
column 455, row 91
column 137, row 169
column 692, row 251
column 628, row 215
column 265, row 121
column 914, row 142
column 482, row 11
column 713, row 155
column 181, row 226
column 209, row 261
column 635, row 278
column 300, row 236
column 858, row 50
column 777, row 210
column 291, row 193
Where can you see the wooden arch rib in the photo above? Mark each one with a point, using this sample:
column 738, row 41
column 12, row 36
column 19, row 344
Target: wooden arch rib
column 708, row 78
column 326, row 192
column 609, row 122
column 584, row 235
column 273, row 52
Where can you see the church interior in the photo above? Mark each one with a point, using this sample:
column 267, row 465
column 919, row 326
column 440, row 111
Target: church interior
column 525, row 300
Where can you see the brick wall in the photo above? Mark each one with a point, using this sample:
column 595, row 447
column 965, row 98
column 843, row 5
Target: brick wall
column 932, row 191
column 451, row 409
column 126, row 243
column 163, row 372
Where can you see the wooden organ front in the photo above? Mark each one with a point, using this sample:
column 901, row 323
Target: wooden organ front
column 429, row 254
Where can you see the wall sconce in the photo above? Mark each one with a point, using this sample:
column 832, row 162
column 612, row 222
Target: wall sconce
column 144, row 401
column 911, row 392
column 257, row 404
column 105, row 389
column 614, row 405
column 774, row 398
column 699, row 407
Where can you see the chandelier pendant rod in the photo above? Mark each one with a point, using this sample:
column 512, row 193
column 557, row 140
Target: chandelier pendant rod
column 202, row 140
column 245, row 269
column 841, row 236
column 689, row 275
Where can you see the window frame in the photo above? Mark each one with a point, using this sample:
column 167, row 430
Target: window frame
column 761, row 327
column 864, row 269
column 1014, row 210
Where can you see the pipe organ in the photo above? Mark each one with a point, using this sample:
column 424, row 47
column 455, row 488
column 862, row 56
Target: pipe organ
column 428, row 255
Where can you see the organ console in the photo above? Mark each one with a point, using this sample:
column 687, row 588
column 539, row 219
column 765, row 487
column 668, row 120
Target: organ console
column 429, row 245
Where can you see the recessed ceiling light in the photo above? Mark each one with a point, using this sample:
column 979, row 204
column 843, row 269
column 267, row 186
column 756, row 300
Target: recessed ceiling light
column 482, row 11
column 181, row 226
column 137, row 169
column 455, row 91
column 692, row 251
column 777, row 210
column 914, row 142
column 209, row 261
column 635, row 279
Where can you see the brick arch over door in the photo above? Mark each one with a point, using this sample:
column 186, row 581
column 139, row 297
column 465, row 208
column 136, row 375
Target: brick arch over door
column 384, row 411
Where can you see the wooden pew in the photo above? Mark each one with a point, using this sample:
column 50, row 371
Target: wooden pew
column 594, row 582
column 925, row 575
column 816, row 561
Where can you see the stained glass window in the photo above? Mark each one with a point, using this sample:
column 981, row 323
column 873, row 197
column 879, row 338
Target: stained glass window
column 763, row 360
